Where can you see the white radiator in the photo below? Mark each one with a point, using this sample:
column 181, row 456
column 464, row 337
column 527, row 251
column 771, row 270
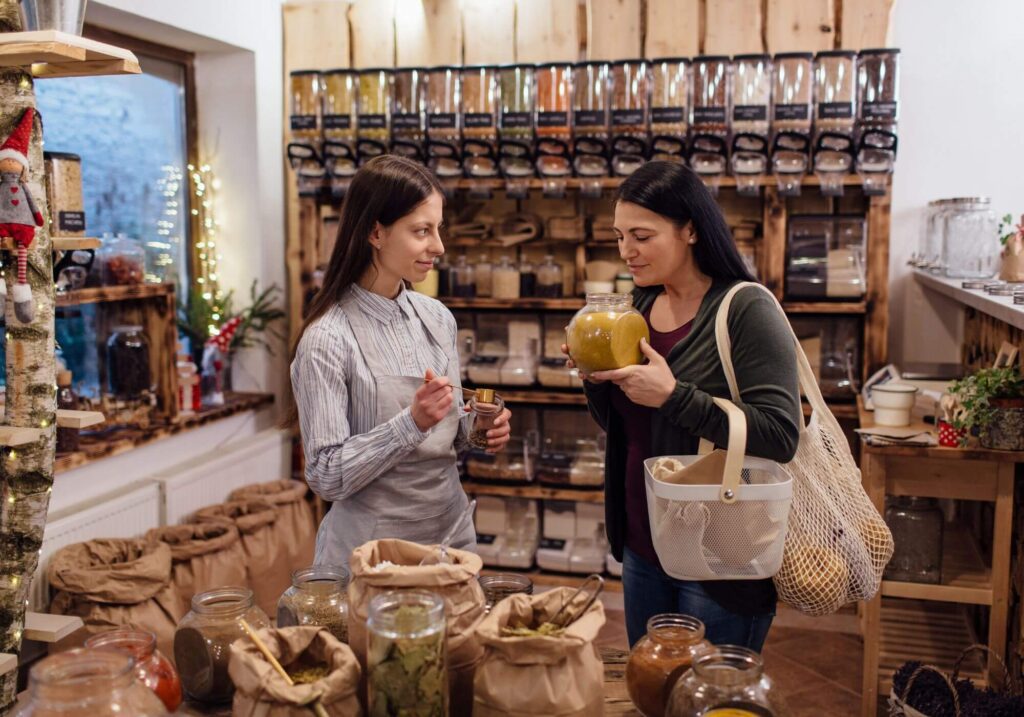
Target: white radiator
column 208, row 479
column 120, row 515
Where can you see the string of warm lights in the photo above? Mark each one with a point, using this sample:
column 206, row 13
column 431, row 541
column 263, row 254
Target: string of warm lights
column 204, row 192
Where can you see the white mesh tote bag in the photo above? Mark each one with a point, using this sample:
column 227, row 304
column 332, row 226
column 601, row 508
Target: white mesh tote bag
column 718, row 515
column 837, row 545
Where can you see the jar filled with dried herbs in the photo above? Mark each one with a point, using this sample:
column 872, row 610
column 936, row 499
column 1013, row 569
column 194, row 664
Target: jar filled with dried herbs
column 669, row 107
column 373, row 125
column 407, row 106
column 317, row 597
column 128, row 368
column 444, row 131
column 591, row 117
column 406, row 662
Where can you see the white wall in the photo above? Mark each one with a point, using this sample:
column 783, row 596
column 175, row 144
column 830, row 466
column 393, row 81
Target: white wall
column 960, row 135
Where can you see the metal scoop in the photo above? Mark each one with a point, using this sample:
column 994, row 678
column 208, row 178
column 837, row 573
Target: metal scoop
column 567, row 615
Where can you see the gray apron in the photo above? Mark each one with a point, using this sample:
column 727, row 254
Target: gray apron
column 418, row 499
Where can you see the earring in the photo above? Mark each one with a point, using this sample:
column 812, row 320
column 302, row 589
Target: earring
column 693, row 240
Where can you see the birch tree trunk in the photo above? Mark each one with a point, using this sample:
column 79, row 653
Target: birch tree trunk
column 26, row 472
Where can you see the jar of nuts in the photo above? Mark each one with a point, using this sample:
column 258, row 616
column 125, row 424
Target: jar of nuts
column 122, row 261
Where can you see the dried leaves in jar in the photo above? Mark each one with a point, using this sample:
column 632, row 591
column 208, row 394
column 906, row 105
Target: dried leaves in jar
column 407, row 676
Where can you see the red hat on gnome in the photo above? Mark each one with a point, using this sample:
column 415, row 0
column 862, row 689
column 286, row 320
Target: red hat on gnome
column 227, row 332
column 16, row 146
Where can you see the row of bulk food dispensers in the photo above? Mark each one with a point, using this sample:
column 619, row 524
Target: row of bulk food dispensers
column 830, row 113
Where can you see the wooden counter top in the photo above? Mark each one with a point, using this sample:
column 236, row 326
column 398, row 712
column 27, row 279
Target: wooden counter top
column 1000, row 307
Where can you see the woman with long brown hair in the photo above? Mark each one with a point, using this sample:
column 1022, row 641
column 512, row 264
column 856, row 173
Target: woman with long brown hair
column 376, row 373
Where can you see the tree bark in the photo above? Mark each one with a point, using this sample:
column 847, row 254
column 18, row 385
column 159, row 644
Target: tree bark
column 26, row 472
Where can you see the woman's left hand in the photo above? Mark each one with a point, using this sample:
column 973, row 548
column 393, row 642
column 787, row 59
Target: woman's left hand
column 498, row 436
column 648, row 385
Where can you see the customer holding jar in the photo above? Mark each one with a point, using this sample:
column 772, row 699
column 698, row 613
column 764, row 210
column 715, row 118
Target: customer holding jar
column 376, row 373
column 675, row 241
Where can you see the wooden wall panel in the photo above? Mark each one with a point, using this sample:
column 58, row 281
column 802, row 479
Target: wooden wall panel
column 488, row 31
column 428, row 32
column 865, row 23
column 613, row 29
column 673, row 28
column 316, row 34
column 547, row 31
column 373, row 33
column 733, row 27
column 800, row 25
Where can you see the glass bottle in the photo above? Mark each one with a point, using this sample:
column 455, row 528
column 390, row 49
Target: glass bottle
column 660, row 658
column 631, row 83
column 605, row 334
column 128, row 367
column 88, row 683
column 372, row 124
column 406, row 664
column 122, row 261
column 553, row 119
column 480, row 104
column 726, row 680
column 67, row 399
column 202, row 642
column 970, row 241
column 670, row 119
column 463, row 278
column 709, row 116
column 549, row 279
column 505, row 280
column 317, row 597
column 152, row 668
column 484, row 275
column 485, row 406
column 917, row 525
column 527, row 279
column 591, row 118
column 407, row 105
column 516, row 120
column 499, row 586
column 751, row 102
column 444, row 131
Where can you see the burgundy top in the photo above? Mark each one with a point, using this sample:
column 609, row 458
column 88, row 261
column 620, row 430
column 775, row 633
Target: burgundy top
column 637, row 422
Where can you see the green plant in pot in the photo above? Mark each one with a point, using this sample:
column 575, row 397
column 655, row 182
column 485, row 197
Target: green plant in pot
column 991, row 400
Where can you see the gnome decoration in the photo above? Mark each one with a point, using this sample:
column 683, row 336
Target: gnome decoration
column 215, row 355
column 19, row 215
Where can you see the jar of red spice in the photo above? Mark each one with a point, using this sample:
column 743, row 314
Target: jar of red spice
column 151, row 667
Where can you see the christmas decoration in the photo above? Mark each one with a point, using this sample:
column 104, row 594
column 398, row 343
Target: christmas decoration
column 19, row 215
column 215, row 360
column 204, row 187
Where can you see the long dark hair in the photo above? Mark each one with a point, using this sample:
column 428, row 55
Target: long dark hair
column 383, row 191
column 676, row 192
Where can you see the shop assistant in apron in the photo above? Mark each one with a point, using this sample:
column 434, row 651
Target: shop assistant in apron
column 420, row 498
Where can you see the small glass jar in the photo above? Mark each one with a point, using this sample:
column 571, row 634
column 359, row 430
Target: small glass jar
column 485, row 406
column 553, row 102
column 304, row 115
column 373, row 124
column 88, row 683
column 122, row 261
column 709, row 115
column 128, row 368
column 660, row 658
column 444, row 101
column 550, row 279
column 407, row 106
column 505, row 280
column 202, row 642
column 484, row 276
column 499, row 586
column 605, row 334
column 480, row 104
column 591, row 118
column 67, row 400
column 669, row 108
column 516, row 120
column 152, row 668
column 726, row 679
column 527, row 279
column 317, row 597
column 587, row 468
column 463, row 278
column 970, row 239
column 917, row 525
column 406, row 664
column 631, row 85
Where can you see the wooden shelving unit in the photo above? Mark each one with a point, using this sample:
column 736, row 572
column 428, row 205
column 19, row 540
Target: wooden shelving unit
column 59, row 243
column 110, row 294
column 58, row 54
column 535, row 492
column 611, row 183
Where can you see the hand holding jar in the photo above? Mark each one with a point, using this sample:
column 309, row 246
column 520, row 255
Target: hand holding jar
column 650, row 384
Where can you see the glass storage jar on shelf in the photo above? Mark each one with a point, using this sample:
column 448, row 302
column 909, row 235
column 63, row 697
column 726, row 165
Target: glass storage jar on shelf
column 514, row 464
column 726, row 680
column 505, row 280
column 660, row 658
column 64, row 193
column 480, row 104
column 444, row 131
column 591, row 118
column 553, row 102
column 152, row 668
column 340, row 88
column 587, row 469
column 463, row 278
column 373, row 126
column 877, row 115
column 709, row 115
column 826, row 257
column 835, row 97
column 552, row 371
column 550, row 279
column 128, row 368
column 407, row 109
column 917, row 526
column 792, row 96
column 833, row 348
column 970, row 239
column 304, row 137
column 122, row 261
column 202, row 641
column 527, row 278
column 669, row 108
column 484, row 275
column 88, row 683
column 318, row 597
column 605, row 334
column 515, row 133
column 631, row 83
column 929, row 252
column 751, row 127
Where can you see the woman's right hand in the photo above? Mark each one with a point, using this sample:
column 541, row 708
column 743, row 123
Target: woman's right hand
column 432, row 402
column 569, row 364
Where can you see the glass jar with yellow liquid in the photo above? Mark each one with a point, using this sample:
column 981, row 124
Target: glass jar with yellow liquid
column 605, row 334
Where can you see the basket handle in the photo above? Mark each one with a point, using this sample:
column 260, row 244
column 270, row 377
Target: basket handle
column 945, row 678
column 735, row 451
column 1009, row 685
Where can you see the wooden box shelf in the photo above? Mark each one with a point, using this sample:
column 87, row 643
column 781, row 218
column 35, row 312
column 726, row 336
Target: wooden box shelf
column 966, row 579
column 43, row 627
column 109, row 294
column 59, row 243
column 19, row 436
column 8, row 663
column 78, row 419
column 58, row 54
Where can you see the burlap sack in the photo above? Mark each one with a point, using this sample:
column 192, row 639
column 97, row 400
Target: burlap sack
column 204, row 556
column 528, row 676
column 268, row 570
column 114, row 583
column 1012, row 268
column 456, row 583
column 295, row 523
column 261, row 692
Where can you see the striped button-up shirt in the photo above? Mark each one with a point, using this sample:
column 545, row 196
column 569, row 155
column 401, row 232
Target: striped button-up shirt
column 336, row 391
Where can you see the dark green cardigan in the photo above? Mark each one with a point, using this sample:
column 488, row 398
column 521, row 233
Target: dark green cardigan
column 765, row 361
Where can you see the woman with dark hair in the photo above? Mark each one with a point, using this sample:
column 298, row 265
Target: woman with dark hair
column 376, row 373
column 674, row 239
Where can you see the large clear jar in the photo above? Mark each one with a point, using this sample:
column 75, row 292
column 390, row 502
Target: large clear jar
column 835, row 98
column 340, row 88
column 444, row 133
column 605, row 334
column 549, row 279
column 929, row 252
column 591, row 118
column 553, row 106
column 122, row 261
column 709, row 115
column 304, row 114
column 406, row 663
column 88, row 683
column 917, row 526
column 970, row 239
column 480, row 103
column 128, row 368
column 152, row 668
column 726, row 680
column 631, row 86
column 660, row 658
column 407, row 107
column 505, row 280
column 515, row 122
column 670, row 110
column 793, row 92
column 751, row 102
column 499, row 586
column 878, row 86
column 317, row 597
column 373, row 120
column 202, row 642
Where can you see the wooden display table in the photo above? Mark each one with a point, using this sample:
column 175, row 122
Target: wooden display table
column 915, row 621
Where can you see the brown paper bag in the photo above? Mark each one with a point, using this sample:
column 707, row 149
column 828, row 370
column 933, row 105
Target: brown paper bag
column 261, row 692
column 1013, row 259
column 267, row 567
column 295, row 523
column 456, row 583
column 528, row 676
column 204, row 556
column 115, row 583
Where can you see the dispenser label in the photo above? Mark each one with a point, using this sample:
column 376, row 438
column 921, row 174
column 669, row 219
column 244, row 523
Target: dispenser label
column 879, row 110
column 708, row 115
column 791, row 112
column 442, row 120
column 516, row 119
column 552, row 119
column 750, row 113
column 485, row 539
column 406, row 120
column 667, row 115
column 301, row 122
column 337, row 122
column 835, row 110
column 627, row 117
column 479, row 119
column 373, row 121
column 552, row 544
column 71, row 221
column 590, row 118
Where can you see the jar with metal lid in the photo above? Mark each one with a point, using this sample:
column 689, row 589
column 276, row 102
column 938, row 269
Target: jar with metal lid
column 929, row 252
column 631, row 87
column 670, row 111
column 152, row 668
column 709, row 116
column 64, row 193
column 340, row 88
column 660, row 658
column 407, row 660
column 122, row 261
column 499, row 586
column 751, row 102
column 88, row 683
column 917, row 526
column 505, row 280
column 485, row 406
column 444, row 131
column 480, row 104
column 373, row 124
column 549, row 279
column 835, row 99
column 515, row 122
column 553, row 107
column 970, row 238
column 605, row 334
column 527, row 278
column 128, row 368
column 726, row 680
column 407, row 108
column 318, row 597
column 484, row 272
column 463, row 278
column 591, row 118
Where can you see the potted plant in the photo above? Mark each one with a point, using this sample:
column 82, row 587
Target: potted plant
column 991, row 400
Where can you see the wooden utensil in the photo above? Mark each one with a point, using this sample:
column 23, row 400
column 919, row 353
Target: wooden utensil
column 318, row 709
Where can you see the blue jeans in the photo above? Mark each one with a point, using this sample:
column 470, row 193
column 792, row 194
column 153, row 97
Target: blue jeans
column 649, row 592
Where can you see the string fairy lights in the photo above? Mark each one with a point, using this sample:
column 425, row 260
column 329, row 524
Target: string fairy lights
column 204, row 193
